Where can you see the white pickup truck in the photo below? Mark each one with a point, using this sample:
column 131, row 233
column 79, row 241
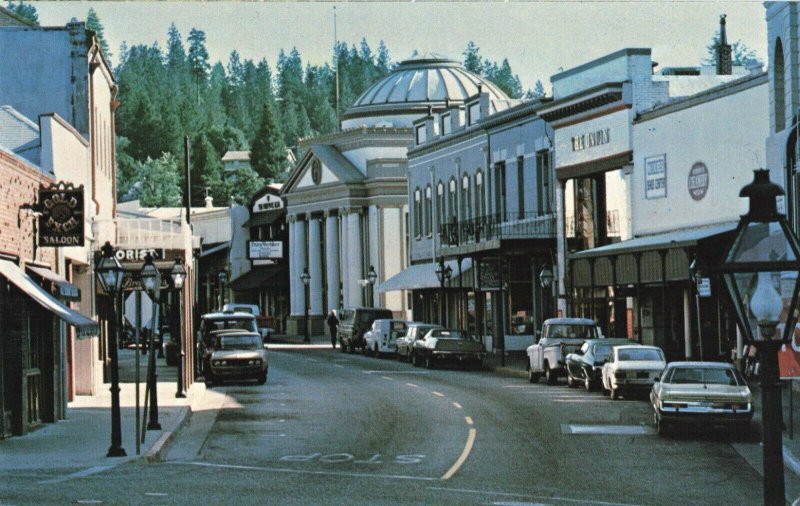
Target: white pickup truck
column 559, row 336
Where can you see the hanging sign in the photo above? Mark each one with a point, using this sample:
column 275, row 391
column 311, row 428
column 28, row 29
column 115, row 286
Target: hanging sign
column 489, row 275
column 61, row 221
column 258, row 250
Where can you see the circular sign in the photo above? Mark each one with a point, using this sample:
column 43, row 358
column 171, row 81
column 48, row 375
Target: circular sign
column 698, row 181
column 316, row 171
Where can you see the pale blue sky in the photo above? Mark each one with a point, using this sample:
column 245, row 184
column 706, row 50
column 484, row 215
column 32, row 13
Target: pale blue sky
column 538, row 38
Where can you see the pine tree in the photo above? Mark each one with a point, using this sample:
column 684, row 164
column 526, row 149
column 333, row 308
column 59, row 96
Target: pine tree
column 176, row 54
column 160, row 182
column 472, row 60
column 383, row 61
column 537, row 93
column 267, row 150
column 198, row 54
column 24, row 10
column 93, row 23
column 206, row 172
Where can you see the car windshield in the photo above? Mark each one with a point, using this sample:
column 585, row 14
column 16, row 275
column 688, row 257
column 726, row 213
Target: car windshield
column 241, row 342
column 602, row 351
column 572, row 331
column 448, row 334
column 640, row 354
column 707, row 375
column 232, row 324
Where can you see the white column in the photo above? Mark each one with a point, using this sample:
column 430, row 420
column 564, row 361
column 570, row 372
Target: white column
column 332, row 259
column 687, row 323
column 315, row 266
column 293, row 275
column 561, row 250
column 300, row 259
column 375, row 251
column 354, row 258
column 344, row 260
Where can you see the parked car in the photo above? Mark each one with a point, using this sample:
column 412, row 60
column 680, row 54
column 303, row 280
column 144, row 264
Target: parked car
column 265, row 324
column 355, row 322
column 382, row 337
column 447, row 345
column 211, row 324
column 584, row 366
column 632, row 368
column 237, row 355
column 701, row 393
column 559, row 336
column 414, row 332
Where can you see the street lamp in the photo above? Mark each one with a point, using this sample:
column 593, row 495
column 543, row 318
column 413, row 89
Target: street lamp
column 151, row 281
column 546, row 278
column 178, row 274
column 443, row 274
column 223, row 278
column 305, row 278
column 372, row 276
column 109, row 273
column 760, row 269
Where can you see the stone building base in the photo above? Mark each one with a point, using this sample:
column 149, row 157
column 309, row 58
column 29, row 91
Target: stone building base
column 316, row 325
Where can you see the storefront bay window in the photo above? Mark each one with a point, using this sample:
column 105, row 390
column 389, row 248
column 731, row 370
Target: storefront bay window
column 428, row 210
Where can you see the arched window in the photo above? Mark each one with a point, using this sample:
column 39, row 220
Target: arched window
column 466, row 198
column 780, row 86
column 452, row 203
column 428, row 210
column 480, row 203
column 417, row 213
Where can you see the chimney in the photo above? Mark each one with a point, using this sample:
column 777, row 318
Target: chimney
column 724, row 53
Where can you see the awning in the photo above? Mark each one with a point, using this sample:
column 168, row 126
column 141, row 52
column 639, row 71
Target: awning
column 215, row 249
column 263, row 218
column 422, row 276
column 261, row 275
column 84, row 326
column 66, row 290
column 676, row 239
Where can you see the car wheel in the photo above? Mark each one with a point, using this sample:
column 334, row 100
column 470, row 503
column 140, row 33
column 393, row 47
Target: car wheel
column 662, row 428
column 549, row 375
column 587, row 384
column 614, row 394
column 571, row 382
column 533, row 377
column 428, row 362
column 375, row 352
column 263, row 378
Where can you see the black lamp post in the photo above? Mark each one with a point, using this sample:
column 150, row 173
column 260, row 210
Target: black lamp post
column 443, row 274
column 178, row 274
column 151, row 281
column 223, row 278
column 305, row 277
column 760, row 269
column 372, row 276
column 546, row 278
column 109, row 273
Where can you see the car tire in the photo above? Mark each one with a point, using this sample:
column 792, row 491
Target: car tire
column 587, row 384
column 375, row 352
column 533, row 377
column 549, row 375
column 263, row 378
column 662, row 427
column 428, row 362
column 571, row 383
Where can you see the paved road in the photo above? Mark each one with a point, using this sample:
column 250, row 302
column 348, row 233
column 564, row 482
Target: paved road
column 331, row 428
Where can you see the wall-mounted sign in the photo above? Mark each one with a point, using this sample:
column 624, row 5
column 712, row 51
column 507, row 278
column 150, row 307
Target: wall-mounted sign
column 61, row 220
column 489, row 275
column 698, row 181
column 591, row 139
column 704, row 287
column 258, row 250
column 655, row 177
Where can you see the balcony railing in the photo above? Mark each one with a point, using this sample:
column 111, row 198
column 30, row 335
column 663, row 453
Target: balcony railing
column 498, row 226
column 141, row 232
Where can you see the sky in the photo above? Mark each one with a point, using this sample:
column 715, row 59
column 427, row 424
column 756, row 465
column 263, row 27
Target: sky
column 539, row 38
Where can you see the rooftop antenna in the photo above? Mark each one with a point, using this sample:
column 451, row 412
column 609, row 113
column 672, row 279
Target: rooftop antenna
column 336, row 65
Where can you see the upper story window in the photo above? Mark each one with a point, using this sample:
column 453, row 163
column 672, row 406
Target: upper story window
column 480, row 199
column 421, row 134
column 500, row 189
column 466, row 198
column 428, row 210
column 417, row 213
column 440, row 209
column 473, row 113
column 521, row 186
column 544, row 203
column 445, row 124
column 451, row 197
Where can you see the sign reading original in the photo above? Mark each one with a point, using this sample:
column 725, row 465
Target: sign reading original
column 61, row 220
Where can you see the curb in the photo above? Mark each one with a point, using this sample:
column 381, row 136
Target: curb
column 156, row 451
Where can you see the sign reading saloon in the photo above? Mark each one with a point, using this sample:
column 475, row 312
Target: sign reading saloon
column 655, row 177
column 61, row 220
column 698, row 181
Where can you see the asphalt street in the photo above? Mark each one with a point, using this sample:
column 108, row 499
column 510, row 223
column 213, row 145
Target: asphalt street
column 332, row 428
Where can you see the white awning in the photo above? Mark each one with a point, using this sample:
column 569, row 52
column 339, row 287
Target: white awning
column 84, row 326
column 422, row 276
column 66, row 290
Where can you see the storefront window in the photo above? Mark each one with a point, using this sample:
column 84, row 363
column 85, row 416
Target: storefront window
column 520, row 296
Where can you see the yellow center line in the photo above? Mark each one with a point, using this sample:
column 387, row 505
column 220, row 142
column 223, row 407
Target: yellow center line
column 464, row 455
column 412, row 385
column 469, row 420
column 457, row 405
column 437, row 394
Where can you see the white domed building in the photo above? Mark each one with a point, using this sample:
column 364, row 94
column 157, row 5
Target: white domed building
column 347, row 197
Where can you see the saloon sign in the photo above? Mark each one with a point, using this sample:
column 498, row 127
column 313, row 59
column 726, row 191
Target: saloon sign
column 61, row 219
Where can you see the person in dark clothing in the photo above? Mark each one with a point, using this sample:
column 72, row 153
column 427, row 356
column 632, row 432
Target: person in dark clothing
column 333, row 326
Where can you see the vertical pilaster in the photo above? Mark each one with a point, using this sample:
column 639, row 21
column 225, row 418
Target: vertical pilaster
column 355, row 257
column 300, row 258
column 294, row 277
column 561, row 240
column 315, row 266
column 344, row 259
column 375, row 251
column 332, row 256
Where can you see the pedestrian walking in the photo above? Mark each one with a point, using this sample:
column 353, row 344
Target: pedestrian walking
column 333, row 326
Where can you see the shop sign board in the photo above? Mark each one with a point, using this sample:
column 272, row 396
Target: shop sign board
column 61, row 219
column 655, row 177
column 704, row 287
column 490, row 275
column 698, row 181
column 259, row 250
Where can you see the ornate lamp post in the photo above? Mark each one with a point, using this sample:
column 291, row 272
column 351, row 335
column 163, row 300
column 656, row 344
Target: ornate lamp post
column 443, row 274
column 223, row 278
column 151, row 281
column 109, row 273
column 372, row 276
column 761, row 269
column 178, row 274
column 546, row 278
column 305, row 277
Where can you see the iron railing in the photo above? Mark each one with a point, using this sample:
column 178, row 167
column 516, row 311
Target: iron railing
column 498, row 226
